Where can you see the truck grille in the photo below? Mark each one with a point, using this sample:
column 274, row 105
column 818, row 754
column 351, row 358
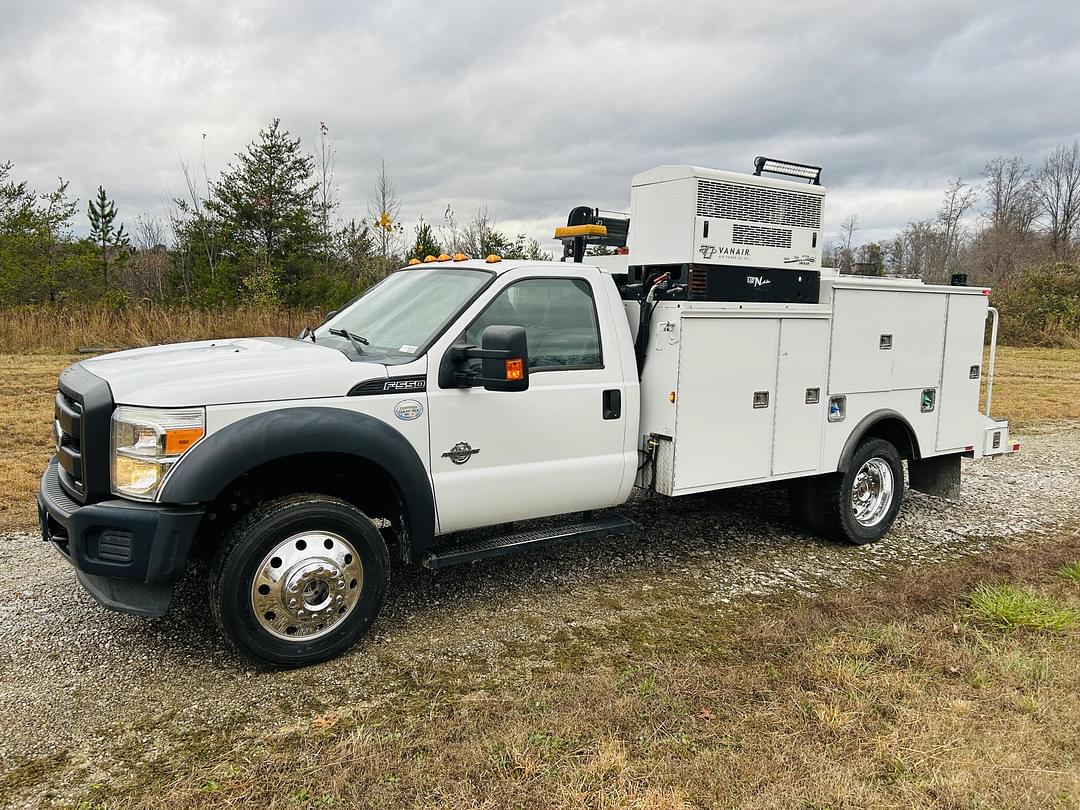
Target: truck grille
column 769, row 206
column 83, row 414
column 68, row 427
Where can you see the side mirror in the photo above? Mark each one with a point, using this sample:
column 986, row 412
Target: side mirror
column 504, row 359
column 330, row 315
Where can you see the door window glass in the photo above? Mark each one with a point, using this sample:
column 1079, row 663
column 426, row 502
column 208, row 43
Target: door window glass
column 559, row 318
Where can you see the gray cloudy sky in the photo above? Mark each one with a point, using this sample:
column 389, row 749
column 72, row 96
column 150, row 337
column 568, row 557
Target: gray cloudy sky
column 535, row 107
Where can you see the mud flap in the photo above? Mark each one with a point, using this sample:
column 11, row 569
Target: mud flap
column 936, row 476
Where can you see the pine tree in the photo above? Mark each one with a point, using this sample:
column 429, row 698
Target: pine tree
column 265, row 206
column 266, row 200
column 425, row 243
column 109, row 239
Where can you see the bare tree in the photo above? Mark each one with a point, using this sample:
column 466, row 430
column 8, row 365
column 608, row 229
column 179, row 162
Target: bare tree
column 384, row 208
column 915, row 250
column 1009, row 194
column 150, row 232
column 847, row 235
column 1007, row 243
column 148, row 269
column 195, row 206
column 326, row 195
column 958, row 200
column 1057, row 191
column 896, row 256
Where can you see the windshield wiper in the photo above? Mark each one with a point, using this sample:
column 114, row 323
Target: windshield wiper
column 357, row 341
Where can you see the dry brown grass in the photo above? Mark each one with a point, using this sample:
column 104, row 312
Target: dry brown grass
column 27, row 390
column 897, row 695
column 1036, row 384
column 1030, row 384
column 67, row 329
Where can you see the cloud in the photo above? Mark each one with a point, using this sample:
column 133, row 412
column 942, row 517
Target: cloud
column 533, row 108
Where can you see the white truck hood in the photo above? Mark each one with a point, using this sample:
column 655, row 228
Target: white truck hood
column 218, row 372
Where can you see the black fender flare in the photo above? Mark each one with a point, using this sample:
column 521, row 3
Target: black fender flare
column 863, row 428
column 223, row 456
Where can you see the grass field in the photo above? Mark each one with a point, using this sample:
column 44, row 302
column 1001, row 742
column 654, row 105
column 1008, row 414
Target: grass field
column 1030, row 384
column 953, row 686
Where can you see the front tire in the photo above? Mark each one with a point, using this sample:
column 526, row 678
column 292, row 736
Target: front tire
column 298, row 580
column 860, row 504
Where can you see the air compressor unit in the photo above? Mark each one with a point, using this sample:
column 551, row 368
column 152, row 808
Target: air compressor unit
column 725, row 236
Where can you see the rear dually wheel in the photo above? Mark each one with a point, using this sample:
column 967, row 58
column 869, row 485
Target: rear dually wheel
column 860, row 504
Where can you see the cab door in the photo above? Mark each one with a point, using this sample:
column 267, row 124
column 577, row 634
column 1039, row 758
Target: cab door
column 560, row 446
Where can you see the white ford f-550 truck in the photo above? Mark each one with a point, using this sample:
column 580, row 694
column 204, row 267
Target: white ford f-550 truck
column 712, row 351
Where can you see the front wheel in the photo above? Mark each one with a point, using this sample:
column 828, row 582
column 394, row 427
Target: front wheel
column 298, row 580
column 860, row 504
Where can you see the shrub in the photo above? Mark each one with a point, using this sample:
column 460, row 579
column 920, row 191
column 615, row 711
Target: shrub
column 1041, row 307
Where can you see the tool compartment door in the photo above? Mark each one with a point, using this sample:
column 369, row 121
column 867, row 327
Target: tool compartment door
column 960, row 422
column 725, row 401
column 800, row 395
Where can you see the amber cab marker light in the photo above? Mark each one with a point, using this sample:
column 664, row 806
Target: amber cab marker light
column 515, row 369
column 460, row 257
column 429, row 259
column 492, row 258
column 444, row 257
column 413, row 261
column 671, row 396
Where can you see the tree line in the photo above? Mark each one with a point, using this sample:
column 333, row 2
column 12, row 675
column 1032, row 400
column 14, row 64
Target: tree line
column 268, row 230
column 1016, row 231
column 1018, row 217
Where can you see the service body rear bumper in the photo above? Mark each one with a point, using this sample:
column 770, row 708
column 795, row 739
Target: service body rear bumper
column 126, row 554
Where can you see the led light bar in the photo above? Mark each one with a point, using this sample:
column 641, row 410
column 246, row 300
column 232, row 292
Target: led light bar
column 787, row 167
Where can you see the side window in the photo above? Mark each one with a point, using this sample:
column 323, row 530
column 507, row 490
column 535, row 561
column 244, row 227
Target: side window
column 559, row 318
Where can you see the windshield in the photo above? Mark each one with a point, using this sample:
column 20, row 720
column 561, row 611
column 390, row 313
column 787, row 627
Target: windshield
column 396, row 319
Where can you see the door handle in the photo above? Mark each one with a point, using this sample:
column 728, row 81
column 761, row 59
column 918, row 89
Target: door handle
column 612, row 403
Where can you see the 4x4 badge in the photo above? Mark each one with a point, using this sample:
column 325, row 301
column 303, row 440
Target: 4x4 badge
column 460, row 453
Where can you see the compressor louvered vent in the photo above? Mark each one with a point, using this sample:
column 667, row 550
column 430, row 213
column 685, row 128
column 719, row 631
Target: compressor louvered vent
column 755, row 235
column 758, row 204
column 699, row 283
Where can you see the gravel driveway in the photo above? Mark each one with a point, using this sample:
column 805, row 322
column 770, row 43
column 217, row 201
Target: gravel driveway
column 86, row 695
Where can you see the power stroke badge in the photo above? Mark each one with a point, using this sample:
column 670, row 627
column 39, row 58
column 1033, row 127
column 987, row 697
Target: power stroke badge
column 461, row 452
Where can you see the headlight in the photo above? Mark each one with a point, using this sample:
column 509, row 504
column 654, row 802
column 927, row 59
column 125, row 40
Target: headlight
column 146, row 442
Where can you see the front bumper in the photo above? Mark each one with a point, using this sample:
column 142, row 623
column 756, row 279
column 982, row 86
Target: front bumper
column 126, row 554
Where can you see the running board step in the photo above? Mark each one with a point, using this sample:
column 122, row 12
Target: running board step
column 525, row 540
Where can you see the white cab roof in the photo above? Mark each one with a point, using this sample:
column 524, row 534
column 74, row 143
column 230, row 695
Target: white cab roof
column 506, row 265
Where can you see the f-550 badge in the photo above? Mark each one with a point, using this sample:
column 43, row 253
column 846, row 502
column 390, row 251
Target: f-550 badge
column 461, row 452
